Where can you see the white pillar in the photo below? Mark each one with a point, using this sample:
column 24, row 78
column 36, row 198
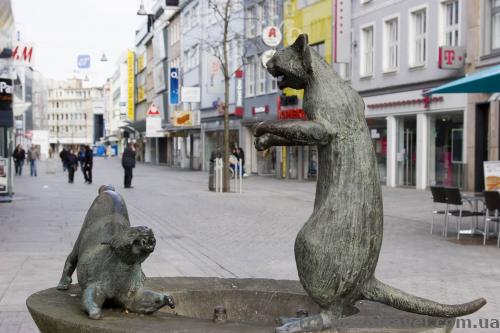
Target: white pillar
column 391, row 151
column 422, row 150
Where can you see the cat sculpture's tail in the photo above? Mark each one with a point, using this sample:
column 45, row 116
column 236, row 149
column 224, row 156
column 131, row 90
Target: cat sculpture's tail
column 377, row 291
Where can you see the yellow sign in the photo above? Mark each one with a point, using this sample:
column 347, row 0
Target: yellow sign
column 183, row 118
column 141, row 94
column 140, row 63
column 130, row 86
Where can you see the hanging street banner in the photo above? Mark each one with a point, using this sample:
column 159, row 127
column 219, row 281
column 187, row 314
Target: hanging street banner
column 6, row 113
column 130, row 85
column 174, row 86
column 83, row 61
column 341, row 31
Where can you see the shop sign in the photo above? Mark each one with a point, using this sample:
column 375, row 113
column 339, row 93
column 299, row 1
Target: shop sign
column 83, row 61
column 239, row 93
column 266, row 56
column 260, row 109
column 153, row 127
column 130, row 85
column 426, row 101
column 292, row 114
column 342, row 31
column 183, row 118
column 22, row 55
column 492, row 175
column 190, row 94
column 6, row 114
column 174, row 86
column 451, row 57
column 153, row 111
column 271, row 36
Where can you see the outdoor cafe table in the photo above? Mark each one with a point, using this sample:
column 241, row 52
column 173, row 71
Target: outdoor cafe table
column 474, row 198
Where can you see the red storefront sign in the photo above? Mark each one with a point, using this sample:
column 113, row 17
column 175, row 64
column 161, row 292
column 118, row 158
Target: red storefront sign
column 292, row 114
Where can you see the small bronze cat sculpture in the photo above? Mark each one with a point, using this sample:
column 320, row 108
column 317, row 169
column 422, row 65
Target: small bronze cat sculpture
column 108, row 255
column 337, row 249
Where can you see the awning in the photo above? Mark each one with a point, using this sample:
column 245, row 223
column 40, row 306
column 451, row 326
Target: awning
column 486, row 81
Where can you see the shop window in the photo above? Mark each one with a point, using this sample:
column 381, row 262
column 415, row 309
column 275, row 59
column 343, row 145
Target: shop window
column 446, row 150
column 495, row 24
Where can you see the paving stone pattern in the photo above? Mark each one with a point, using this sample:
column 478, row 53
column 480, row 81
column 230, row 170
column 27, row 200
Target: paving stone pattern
column 201, row 233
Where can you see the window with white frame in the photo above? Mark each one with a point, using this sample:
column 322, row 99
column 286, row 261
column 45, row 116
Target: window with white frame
column 495, row 24
column 272, row 10
column 194, row 15
column 187, row 20
column 250, row 77
column 366, row 66
column 260, row 22
column 451, row 22
column 418, row 37
column 391, row 45
column 273, row 83
column 261, row 78
column 251, row 22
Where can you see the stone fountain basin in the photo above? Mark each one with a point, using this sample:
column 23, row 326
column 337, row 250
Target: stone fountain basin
column 252, row 306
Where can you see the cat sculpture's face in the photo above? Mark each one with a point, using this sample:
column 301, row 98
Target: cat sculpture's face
column 292, row 66
column 133, row 245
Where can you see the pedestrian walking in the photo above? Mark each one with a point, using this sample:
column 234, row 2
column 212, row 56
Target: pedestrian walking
column 81, row 160
column 88, row 163
column 64, row 157
column 19, row 156
column 33, row 157
column 128, row 164
column 241, row 155
column 71, row 163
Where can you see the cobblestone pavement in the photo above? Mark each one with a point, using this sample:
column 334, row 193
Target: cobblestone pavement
column 200, row 233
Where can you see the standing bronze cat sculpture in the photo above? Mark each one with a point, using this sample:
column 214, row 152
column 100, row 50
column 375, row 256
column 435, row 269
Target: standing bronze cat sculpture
column 107, row 257
column 337, row 249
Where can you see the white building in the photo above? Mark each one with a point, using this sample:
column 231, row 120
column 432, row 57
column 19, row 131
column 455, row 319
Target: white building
column 71, row 113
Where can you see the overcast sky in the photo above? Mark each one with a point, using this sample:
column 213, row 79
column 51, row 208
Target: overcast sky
column 60, row 30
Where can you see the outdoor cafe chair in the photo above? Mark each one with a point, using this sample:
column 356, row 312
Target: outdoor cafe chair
column 454, row 198
column 492, row 201
column 438, row 197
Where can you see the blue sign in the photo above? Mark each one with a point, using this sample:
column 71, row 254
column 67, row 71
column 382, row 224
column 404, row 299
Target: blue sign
column 83, row 61
column 174, row 86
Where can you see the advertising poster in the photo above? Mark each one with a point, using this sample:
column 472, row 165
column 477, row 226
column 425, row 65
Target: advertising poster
column 3, row 175
column 492, row 175
column 183, row 118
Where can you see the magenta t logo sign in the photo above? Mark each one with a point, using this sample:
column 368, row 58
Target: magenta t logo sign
column 449, row 56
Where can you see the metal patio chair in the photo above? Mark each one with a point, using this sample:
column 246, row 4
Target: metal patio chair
column 454, row 198
column 492, row 201
column 438, row 197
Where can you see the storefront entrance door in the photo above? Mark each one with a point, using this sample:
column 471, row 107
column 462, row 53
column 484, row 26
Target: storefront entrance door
column 407, row 151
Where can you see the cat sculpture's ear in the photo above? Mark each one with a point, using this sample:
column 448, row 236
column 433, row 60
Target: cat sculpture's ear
column 301, row 45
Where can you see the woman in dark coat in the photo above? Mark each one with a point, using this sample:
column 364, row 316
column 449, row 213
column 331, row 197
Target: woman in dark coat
column 19, row 156
column 88, row 163
column 128, row 163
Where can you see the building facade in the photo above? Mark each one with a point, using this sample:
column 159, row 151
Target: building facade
column 419, row 141
column 262, row 97
column 482, row 112
column 71, row 110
